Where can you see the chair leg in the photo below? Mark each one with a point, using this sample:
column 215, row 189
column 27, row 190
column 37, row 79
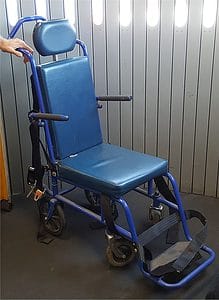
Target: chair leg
column 180, row 206
column 129, row 219
column 156, row 210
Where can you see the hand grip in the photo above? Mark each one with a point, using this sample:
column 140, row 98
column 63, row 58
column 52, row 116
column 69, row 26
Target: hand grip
column 114, row 98
column 45, row 116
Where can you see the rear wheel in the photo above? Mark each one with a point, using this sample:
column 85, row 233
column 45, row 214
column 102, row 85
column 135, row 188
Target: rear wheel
column 56, row 223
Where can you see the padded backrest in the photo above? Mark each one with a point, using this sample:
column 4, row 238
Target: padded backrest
column 68, row 89
column 54, row 36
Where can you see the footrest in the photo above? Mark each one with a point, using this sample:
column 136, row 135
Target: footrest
column 178, row 256
column 168, row 256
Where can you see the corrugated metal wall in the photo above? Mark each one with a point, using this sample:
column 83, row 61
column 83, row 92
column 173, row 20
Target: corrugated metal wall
column 172, row 73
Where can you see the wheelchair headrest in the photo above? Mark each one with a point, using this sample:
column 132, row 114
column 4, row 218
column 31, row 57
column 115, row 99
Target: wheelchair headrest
column 54, row 37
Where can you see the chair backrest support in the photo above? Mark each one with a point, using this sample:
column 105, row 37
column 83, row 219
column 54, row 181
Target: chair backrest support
column 67, row 88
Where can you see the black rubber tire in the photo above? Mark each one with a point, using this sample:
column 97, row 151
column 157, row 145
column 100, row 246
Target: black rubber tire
column 56, row 223
column 155, row 216
column 125, row 247
column 92, row 198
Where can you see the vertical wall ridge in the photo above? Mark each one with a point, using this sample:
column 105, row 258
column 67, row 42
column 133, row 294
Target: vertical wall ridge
column 172, row 73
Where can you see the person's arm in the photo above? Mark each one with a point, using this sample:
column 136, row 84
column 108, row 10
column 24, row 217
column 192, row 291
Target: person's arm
column 10, row 46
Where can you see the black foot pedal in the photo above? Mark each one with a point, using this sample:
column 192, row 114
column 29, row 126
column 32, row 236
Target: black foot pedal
column 43, row 236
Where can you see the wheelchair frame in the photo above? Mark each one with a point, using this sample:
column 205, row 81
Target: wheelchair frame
column 58, row 196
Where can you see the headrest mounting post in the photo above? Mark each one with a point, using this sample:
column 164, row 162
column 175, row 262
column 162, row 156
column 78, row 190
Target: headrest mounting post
column 55, row 57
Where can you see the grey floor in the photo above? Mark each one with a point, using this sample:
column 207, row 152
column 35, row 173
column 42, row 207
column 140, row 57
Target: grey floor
column 74, row 266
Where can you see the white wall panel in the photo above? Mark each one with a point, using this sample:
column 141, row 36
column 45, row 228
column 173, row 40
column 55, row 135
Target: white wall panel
column 177, row 99
column 191, row 86
column 99, row 64
column 139, row 64
column 85, row 26
column 152, row 75
column 165, row 76
column 112, row 40
column 211, row 183
column 171, row 72
column 125, row 42
column 203, row 106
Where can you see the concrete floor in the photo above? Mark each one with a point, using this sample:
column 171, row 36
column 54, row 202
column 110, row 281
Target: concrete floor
column 74, row 266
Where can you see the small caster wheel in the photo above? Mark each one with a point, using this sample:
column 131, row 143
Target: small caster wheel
column 156, row 214
column 56, row 223
column 120, row 252
column 94, row 200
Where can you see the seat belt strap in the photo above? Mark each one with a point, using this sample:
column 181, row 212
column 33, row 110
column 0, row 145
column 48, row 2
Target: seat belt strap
column 50, row 164
column 107, row 213
column 167, row 194
column 164, row 189
column 36, row 158
column 156, row 230
column 196, row 243
column 35, row 100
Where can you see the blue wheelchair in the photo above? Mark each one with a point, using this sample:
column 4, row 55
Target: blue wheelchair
column 66, row 107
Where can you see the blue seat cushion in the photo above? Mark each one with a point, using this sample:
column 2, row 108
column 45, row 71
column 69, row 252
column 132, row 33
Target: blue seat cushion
column 111, row 169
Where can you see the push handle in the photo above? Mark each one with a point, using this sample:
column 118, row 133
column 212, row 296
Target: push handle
column 45, row 116
column 21, row 21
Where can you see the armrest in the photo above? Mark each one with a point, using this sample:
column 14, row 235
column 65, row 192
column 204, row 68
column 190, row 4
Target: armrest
column 114, row 98
column 45, row 116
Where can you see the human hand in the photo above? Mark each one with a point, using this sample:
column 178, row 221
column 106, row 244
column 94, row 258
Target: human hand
column 10, row 46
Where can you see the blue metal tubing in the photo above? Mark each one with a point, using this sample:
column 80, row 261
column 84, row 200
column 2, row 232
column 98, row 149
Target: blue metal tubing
column 37, row 87
column 21, row 21
column 160, row 199
column 168, row 203
column 129, row 218
column 40, row 101
column 35, row 76
column 55, row 188
column 186, row 279
column 132, row 235
column 150, row 188
column 67, row 191
column 51, row 208
column 83, row 46
column 90, row 213
column 63, row 192
column 180, row 207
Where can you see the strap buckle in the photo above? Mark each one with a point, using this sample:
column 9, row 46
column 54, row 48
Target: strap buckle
column 32, row 189
column 38, row 194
